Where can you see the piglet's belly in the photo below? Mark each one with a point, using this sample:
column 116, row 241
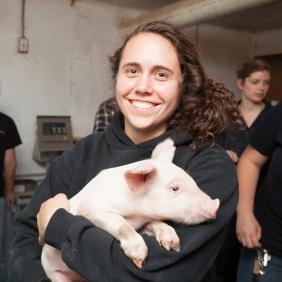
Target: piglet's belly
column 65, row 276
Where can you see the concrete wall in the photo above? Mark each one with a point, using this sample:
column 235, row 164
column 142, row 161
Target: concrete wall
column 66, row 70
column 221, row 50
column 268, row 43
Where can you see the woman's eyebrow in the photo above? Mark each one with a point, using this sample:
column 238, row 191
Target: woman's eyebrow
column 130, row 64
column 163, row 68
column 156, row 67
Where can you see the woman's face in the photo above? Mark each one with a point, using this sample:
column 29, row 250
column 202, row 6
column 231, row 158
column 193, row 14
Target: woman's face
column 255, row 87
column 148, row 84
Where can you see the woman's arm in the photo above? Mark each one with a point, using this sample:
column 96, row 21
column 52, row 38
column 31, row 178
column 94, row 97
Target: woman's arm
column 248, row 229
column 10, row 164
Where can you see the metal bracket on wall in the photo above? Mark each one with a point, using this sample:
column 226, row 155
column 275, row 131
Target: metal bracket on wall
column 23, row 40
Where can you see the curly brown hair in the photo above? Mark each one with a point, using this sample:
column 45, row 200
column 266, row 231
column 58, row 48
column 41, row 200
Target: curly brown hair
column 205, row 109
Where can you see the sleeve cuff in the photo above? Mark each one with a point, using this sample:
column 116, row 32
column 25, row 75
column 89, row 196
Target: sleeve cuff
column 57, row 228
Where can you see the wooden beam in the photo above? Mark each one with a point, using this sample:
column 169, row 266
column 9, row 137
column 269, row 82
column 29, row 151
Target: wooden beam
column 191, row 12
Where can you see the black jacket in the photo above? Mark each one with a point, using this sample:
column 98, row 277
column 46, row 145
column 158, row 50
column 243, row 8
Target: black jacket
column 95, row 254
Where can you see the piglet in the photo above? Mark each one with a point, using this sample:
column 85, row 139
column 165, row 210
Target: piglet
column 140, row 195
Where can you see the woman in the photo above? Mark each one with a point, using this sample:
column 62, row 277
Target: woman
column 161, row 91
column 259, row 223
column 253, row 79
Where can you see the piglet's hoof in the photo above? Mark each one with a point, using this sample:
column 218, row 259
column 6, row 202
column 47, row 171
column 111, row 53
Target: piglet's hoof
column 166, row 236
column 138, row 263
column 135, row 249
column 170, row 245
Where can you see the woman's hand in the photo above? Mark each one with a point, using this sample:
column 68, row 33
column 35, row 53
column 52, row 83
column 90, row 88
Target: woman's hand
column 9, row 199
column 248, row 230
column 47, row 209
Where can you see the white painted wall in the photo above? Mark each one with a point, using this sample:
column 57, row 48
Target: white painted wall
column 221, row 50
column 66, row 70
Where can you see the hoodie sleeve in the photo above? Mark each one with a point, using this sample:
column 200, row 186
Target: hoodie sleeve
column 25, row 252
column 97, row 256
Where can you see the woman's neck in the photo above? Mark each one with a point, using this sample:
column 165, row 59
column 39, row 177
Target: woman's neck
column 140, row 136
column 250, row 110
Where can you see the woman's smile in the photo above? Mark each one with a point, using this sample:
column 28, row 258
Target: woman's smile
column 142, row 105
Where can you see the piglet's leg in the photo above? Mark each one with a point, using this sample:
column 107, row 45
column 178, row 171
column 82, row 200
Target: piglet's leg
column 55, row 268
column 131, row 242
column 164, row 234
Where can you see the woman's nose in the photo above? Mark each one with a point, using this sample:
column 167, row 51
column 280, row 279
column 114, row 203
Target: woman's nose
column 143, row 85
column 263, row 86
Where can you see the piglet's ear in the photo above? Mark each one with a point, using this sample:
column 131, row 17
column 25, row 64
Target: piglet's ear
column 140, row 175
column 164, row 151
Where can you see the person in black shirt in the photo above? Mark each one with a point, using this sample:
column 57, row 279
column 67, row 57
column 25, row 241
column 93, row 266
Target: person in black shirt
column 253, row 80
column 9, row 139
column 259, row 223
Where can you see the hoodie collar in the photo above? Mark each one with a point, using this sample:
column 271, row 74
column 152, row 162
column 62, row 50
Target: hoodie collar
column 117, row 138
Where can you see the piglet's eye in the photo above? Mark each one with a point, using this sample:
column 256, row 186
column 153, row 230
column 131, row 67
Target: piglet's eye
column 175, row 188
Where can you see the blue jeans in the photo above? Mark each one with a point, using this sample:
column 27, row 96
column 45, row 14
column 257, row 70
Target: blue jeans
column 273, row 271
column 246, row 265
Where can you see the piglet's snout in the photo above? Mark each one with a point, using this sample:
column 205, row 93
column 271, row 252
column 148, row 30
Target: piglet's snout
column 211, row 208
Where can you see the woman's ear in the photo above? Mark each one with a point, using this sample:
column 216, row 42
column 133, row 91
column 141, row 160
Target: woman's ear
column 240, row 84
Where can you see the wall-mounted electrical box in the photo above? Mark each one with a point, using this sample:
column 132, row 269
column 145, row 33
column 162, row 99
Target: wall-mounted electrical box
column 23, row 45
column 54, row 136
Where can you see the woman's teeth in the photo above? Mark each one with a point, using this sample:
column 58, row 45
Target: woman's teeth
column 142, row 105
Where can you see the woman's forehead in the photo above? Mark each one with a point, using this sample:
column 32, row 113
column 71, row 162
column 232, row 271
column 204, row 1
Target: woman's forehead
column 150, row 47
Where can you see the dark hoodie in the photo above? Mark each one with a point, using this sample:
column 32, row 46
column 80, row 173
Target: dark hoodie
column 95, row 254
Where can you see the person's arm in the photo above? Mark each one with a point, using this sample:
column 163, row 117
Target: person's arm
column 10, row 164
column 261, row 146
column 248, row 229
column 96, row 255
column 11, row 140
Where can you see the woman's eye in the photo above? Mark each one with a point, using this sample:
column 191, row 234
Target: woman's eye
column 162, row 75
column 131, row 72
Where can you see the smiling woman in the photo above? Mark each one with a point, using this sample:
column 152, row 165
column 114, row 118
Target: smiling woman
column 171, row 61
column 162, row 92
column 147, row 88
